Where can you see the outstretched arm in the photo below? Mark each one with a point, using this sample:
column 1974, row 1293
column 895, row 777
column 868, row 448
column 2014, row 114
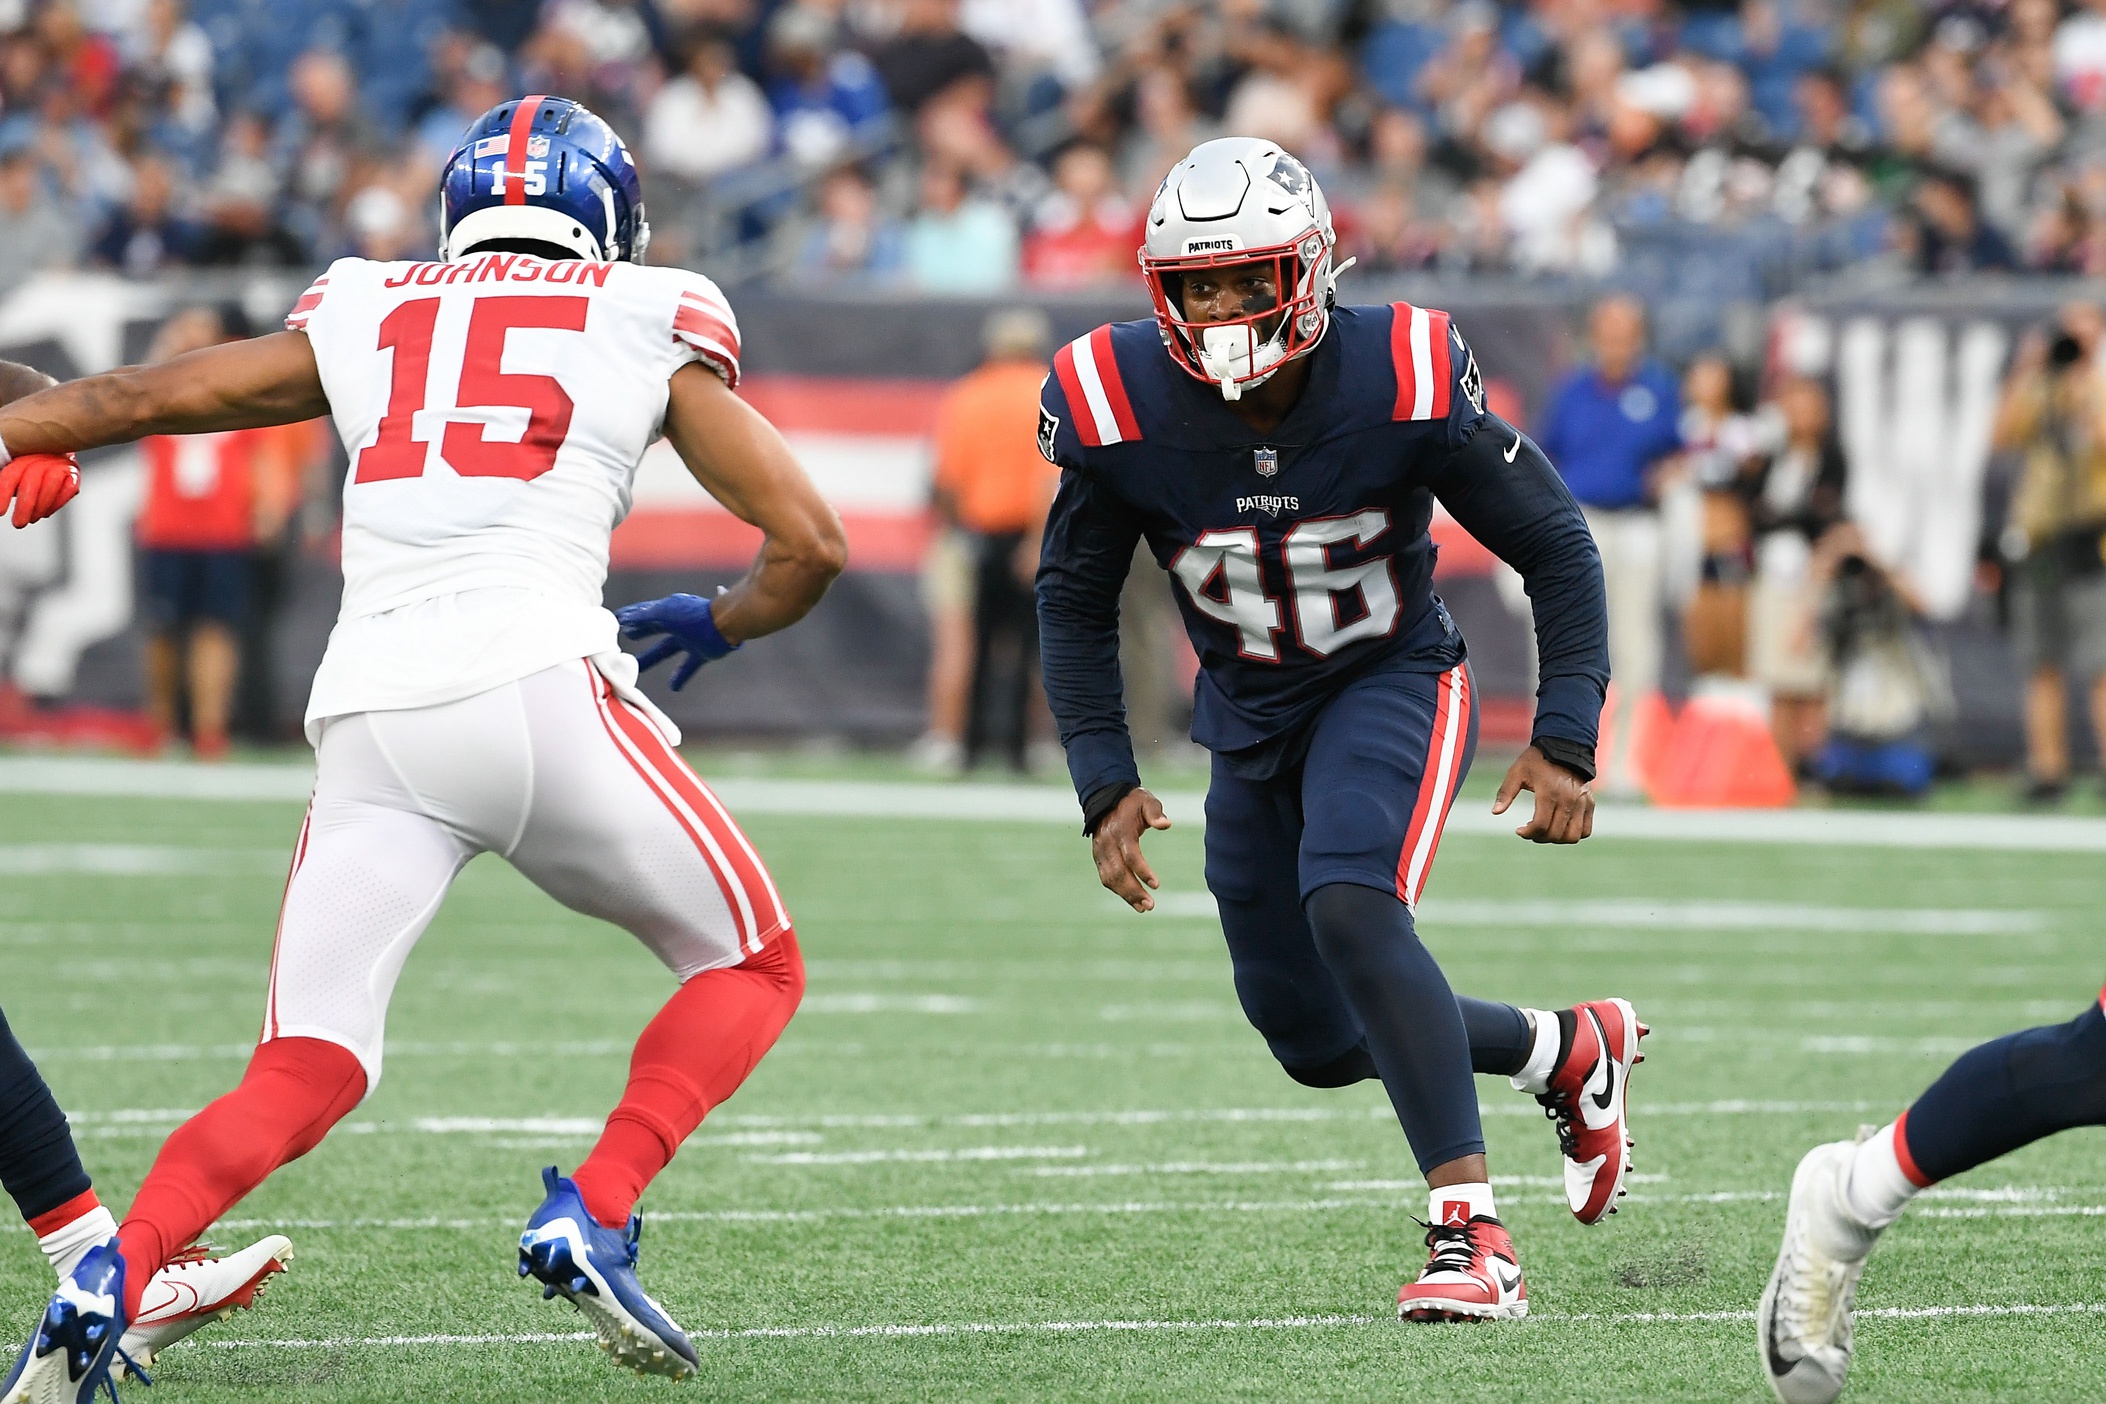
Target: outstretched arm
column 744, row 463
column 1504, row 492
column 240, row 385
column 1085, row 553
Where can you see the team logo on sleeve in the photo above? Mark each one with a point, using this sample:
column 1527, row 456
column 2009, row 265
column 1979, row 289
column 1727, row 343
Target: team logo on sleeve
column 1048, row 426
column 1472, row 378
column 1266, row 461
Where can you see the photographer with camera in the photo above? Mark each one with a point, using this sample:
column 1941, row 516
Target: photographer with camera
column 2053, row 415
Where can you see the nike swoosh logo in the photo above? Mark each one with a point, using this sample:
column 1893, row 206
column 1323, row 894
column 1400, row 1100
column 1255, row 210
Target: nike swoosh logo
column 1507, row 1284
column 1513, row 448
column 1607, row 1095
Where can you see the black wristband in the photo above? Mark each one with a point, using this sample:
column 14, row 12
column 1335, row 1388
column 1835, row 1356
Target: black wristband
column 1102, row 801
column 1575, row 757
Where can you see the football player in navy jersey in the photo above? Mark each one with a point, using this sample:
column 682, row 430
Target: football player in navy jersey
column 1281, row 456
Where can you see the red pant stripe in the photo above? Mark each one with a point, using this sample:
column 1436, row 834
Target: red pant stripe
column 1438, row 783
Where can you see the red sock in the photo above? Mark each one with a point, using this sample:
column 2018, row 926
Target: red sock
column 52, row 1220
column 295, row 1089
column 691, row 1057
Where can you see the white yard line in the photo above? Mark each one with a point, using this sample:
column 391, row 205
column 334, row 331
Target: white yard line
column 1054, row 805
column 916, row 1330
column 1643, row 914
column 135, row 860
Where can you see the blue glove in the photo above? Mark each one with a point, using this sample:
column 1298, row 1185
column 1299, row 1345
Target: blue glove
column 689, row 627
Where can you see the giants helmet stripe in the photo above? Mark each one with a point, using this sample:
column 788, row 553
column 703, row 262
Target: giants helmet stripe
column 515, row 148
column 1418, row 347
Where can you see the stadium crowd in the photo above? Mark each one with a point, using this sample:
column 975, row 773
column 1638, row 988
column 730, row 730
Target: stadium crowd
column 953, row 145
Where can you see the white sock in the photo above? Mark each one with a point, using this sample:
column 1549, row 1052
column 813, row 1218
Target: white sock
column 1457, row 1204
column 1534, row 1077
column 64, row 1247
column 1878, row 1188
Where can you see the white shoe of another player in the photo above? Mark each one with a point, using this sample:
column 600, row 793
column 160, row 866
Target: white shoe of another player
column 196, row 1290
column 1803, row 1326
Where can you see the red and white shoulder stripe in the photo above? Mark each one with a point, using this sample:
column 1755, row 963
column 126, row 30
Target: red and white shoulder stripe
column 296, row 320
column 703, row 322
column 1418, row 346
column 1096, row 394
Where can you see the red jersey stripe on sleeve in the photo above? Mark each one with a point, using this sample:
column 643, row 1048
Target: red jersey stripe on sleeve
column 296, row 320
column 1440, row 343
column 1400, row 359
column 1107, row 366
column 1078, row 404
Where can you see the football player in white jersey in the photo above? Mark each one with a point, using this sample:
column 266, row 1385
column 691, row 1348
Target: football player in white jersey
column 473, row 697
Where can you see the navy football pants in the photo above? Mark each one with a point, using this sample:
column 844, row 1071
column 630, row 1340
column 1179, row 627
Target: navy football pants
column 1312, row 873
column 39, row 1168
column 2007, row 1093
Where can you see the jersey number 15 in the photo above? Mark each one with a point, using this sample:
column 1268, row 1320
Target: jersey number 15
column 1221, row 575
column 484, row 383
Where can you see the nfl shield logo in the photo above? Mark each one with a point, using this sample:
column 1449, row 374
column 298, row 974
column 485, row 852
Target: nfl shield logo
column 537, row 147
column 1267, row 461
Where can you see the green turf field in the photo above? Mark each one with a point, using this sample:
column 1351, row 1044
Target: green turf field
column 1021, row 1145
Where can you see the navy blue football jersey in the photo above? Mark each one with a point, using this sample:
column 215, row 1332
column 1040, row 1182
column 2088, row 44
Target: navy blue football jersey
column 1302, row 558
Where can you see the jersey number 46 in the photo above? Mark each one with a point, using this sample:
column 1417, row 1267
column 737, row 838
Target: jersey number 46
column 407, row 331
column 1223, row 577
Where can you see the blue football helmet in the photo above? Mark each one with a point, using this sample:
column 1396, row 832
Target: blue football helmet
column 548, row 169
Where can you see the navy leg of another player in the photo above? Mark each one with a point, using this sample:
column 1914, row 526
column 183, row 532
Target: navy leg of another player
column 2006, row 1093
column 1314, row 872
column 41, row 1171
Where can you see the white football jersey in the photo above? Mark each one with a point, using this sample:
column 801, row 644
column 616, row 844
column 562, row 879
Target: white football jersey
column 494, row 410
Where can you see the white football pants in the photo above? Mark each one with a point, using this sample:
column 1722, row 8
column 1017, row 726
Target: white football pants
column 557, row 774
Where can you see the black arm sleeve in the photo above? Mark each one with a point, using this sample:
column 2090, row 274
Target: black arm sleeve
column 1083, row 560
column 1519, row 508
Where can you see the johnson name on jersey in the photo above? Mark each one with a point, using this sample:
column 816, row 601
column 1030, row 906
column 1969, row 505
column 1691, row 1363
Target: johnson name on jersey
column 1301, row 558
column 494, row 410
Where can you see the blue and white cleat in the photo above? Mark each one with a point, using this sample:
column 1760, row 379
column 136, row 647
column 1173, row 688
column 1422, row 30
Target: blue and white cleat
column 572, row 1256
column 68, row 1360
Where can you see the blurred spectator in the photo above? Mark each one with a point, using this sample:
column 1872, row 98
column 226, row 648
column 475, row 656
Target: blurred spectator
column 708, row 120
column 241, row 199
column 36, row 231
column 2080, row 56
column 318, row 142
column 147, row 233
column 1948, row 234
column 956, row 242
column 1716, row 442
column 992, row 483
column 824, row 98
column 382, row 226
column 930, row 54
column 208, row 499
column 1611, row 429
column 481, row 84
column 1085, row 232
column 2054, row 414
column 172, row 54
column 1795, row 499
column 1886, row 688
column 852, row 241
column 1044, row 45
column 1167, row 123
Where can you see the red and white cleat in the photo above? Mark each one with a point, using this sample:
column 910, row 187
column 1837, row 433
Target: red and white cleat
column 196, row 1290
column 1473, row 1275
column 1588, row 1099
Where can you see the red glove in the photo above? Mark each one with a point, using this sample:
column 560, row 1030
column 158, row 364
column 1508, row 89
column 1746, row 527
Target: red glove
column 38, row 484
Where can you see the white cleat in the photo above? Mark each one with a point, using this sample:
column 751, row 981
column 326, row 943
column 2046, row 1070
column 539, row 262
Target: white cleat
column 195, row 1290
column 1803, row 1326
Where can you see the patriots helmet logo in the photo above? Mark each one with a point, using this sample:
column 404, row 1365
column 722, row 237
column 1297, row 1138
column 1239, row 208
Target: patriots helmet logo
column 1048, row 431
column 1266, row 461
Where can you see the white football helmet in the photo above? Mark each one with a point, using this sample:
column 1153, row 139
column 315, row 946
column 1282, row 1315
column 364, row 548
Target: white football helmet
column 1238, row 200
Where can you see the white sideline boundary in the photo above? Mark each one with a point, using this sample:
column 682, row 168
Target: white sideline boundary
column 1035, row 804
column 918, row 1330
